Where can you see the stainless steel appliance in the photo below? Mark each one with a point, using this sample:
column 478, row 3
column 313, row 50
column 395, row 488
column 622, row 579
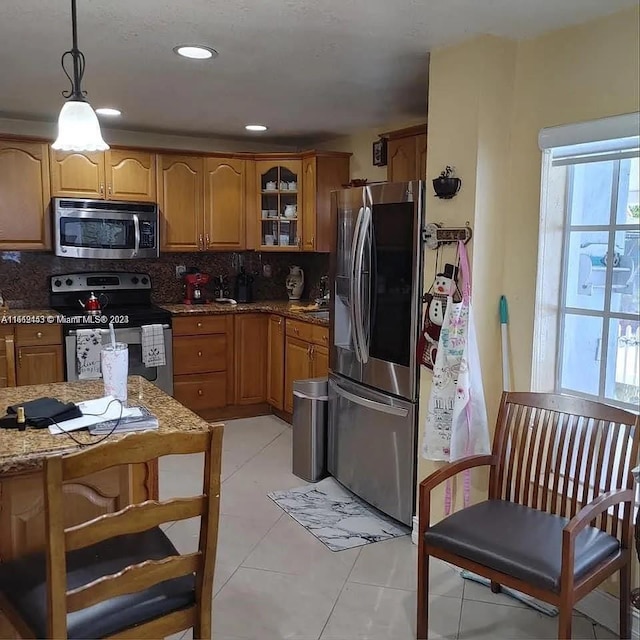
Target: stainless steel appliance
column 104, row 229
column 376, row 273
column 125, row 300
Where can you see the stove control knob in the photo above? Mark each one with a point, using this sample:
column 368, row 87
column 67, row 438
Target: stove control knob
column 57, row 283
column 68, row 282
column 145, row 280
column 134, row 280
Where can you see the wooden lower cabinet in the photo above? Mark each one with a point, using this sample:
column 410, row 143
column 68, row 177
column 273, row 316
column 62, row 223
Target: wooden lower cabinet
column 297, row 367
column 306, row 355
column 251, row 332
column 320, row 361
column 40, row 365
column 203, row 362
column 31, row 354
column 275, row 362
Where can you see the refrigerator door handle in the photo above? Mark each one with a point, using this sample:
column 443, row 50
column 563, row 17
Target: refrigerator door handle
column 360, row 311
column 369, row 404
column 353, row 292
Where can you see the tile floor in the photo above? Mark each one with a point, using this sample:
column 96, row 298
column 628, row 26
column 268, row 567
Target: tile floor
column 274, row 580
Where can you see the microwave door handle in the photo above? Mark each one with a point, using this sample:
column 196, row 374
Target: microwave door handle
column 353, row 294
column 136, row 226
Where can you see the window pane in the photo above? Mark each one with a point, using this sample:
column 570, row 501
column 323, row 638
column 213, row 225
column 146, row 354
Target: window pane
column 623, row 361
column 586, row 270
column 625, row 289
column 628, row 192
column 591, row 190
column 581, row 353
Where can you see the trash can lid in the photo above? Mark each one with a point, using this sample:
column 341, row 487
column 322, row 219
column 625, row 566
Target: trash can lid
column 311, row 388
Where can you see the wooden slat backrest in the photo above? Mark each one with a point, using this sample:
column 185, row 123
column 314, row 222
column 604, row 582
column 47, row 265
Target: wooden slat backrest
column 133, row 448
column 556, row 453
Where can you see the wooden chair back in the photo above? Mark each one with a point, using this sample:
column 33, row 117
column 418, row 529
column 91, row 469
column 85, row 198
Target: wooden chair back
column 134, row 448
column 557, row 453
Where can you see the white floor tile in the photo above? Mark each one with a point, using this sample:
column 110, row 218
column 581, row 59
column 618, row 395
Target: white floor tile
column 393, row 563
column 365, row 612
column 482, row 621
column 267, row 605
column 290, row 548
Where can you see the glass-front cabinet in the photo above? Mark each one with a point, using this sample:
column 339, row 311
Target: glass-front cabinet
column 279, row 202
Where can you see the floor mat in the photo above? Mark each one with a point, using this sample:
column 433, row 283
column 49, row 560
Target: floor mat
column 336, row 516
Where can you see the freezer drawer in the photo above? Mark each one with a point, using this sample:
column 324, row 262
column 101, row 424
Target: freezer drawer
column 372, row 446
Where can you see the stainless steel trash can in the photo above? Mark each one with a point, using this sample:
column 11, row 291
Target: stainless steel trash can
column 310, row 402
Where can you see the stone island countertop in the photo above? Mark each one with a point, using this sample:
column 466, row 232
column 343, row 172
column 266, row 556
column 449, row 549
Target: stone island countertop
column 23, row 451
column 278, row 307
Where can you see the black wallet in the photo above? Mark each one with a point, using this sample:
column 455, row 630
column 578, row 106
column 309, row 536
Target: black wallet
column 43, row 412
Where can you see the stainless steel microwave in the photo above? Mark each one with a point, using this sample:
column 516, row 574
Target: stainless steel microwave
column 104, row 229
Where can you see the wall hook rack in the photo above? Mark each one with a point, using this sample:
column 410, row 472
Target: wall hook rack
column 434, row 235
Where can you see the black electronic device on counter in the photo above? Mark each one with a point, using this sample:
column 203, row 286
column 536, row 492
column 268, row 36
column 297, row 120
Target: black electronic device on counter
column 244, row 288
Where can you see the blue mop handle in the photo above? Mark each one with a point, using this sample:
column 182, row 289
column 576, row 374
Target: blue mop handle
column 504, row 320
column 504, row 310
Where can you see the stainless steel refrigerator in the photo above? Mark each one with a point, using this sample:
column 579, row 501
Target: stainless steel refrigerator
column 376, row 276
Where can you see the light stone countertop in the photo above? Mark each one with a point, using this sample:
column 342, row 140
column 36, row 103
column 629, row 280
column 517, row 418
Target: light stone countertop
column 23, row 451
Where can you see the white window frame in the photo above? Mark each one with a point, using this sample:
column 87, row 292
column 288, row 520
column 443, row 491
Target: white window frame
column 606, row 139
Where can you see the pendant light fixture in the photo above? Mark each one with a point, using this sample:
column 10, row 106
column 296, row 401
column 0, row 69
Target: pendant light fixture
column 78, row 126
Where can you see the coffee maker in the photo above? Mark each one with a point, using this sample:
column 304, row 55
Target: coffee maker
column 194, row 284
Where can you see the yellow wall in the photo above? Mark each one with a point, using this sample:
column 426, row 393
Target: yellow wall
column 360, row 145
column 488, row 99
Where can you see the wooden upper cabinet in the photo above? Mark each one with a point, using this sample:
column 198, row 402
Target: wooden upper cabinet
column 322, row 173
column 275, row 362
column 407, row 154
column 401, row 163
column 278, row 204
column 224, row 204
column 24, row 196
column 180, row 196
column 77, row 175
column 130, row 175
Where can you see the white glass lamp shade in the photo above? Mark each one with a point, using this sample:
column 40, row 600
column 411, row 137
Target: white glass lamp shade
column 78, row 128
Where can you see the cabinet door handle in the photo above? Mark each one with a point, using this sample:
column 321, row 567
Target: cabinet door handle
column 39, row 334
column 109, row 187
column 279, row 321
column 200, row 392
column 19, row 357
column 200, row 242
column 296, row 330
column 206, row 241
column 199, row 354
column 102, row 188
column 199, row 325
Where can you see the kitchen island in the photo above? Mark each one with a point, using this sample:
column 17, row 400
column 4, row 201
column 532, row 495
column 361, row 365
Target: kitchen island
column 22, row 453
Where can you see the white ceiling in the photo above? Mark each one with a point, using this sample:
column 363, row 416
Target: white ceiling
column 307, row 68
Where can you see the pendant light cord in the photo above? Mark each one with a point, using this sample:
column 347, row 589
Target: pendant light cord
column 76, row 92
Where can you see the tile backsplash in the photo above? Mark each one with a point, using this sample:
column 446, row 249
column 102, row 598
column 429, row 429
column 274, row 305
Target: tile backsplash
column 24, row 275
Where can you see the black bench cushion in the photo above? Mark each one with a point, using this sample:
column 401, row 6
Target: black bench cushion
column 23, row 583
column 519, row 541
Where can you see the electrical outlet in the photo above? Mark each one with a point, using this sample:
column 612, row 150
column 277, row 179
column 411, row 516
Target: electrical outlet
column 266, row 270
column 180, row 271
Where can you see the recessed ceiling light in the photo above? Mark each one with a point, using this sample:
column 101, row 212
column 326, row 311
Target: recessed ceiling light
column 195, row 51
column 108, row 111
column 255, row 127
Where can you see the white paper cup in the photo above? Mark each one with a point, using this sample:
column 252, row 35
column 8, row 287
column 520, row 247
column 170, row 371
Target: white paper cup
column 115, row 369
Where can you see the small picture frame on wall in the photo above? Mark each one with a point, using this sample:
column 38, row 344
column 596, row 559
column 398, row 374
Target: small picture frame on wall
column 380, row 153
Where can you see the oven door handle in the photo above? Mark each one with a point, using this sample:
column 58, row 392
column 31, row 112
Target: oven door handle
column 74, row 332
column 136, row 226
